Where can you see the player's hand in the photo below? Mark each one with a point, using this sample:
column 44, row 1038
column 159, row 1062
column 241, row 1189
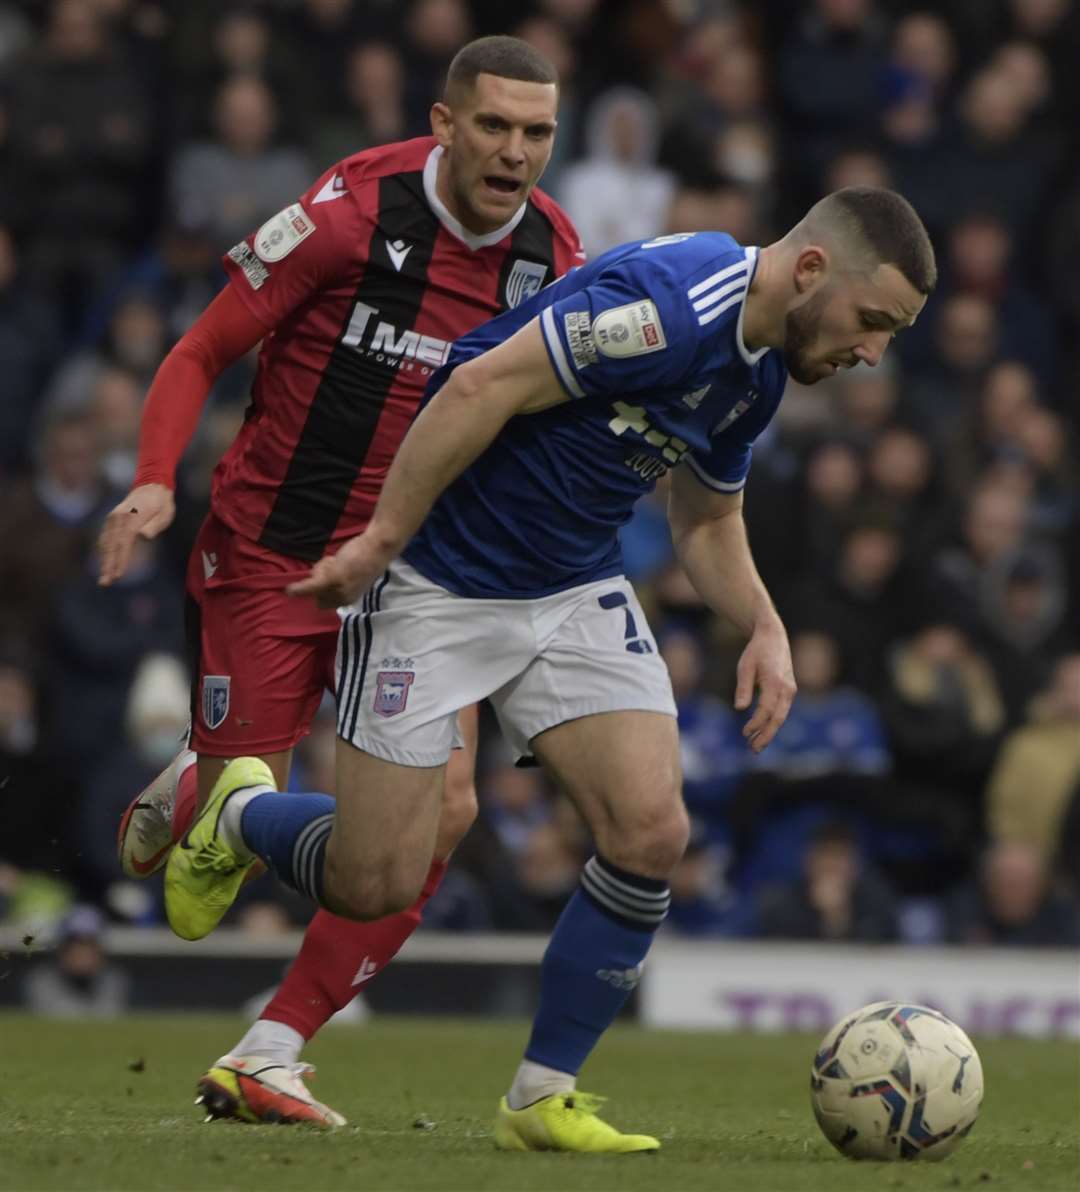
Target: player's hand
column 341, row 579
column 143, row 513
column 765, row 666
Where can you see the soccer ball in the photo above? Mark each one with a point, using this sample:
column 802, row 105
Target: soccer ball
column 893, row 1081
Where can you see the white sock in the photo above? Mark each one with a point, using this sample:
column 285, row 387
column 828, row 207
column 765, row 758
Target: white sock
column 274, row 1040
column 534, row 1081
column 228, row 824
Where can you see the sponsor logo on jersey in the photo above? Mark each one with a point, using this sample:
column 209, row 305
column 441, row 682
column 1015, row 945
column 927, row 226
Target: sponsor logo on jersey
column 398, row 251
column 215, row 699
column 579, row 338
column 631, row 330
column 526, row 279
column 407, row 349
column 282, row 233
column 736, row 411
column 693, row 400
column 254, row 270
column 333, row 188
column 392, row 692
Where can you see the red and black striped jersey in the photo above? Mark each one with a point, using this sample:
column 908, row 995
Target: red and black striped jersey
column 363, row 284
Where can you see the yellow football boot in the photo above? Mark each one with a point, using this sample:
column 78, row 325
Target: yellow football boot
column 564, row 1122
column 204, row 874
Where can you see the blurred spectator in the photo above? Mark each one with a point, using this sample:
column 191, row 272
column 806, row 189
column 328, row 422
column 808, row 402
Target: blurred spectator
column 81, row 140
column 701, row 904
column 78, row 981
column 834, row 479
column 860, row 601
column 237, row 180
column 712, row 749
column 29, row 349
column 967, row 339
column 47, row 523
column 944, row 711
column 831, row 729
column 35, row 806
column 1037, row 772
column 434, row 31
column 1012, row 902
column 622, row 147
column 829, row 77
column 135, row 338
column 98, row 638
column 839, row 897
column 373, row 107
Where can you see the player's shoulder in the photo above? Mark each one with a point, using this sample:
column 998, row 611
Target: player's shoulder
column 357, row 176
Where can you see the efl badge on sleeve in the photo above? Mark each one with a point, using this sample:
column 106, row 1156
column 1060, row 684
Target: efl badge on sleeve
column 215, row 699
column 526, row 279
column 392, row 691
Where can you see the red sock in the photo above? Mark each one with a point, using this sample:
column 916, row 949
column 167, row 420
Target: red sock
column 187, row 797
column 339, row 957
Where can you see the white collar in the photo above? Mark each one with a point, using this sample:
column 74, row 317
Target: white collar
column 454, row 226
column 740, row 343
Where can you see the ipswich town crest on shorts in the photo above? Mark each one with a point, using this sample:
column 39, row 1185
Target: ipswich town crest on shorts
column 215, row 699
column 526, row 278
column 392, row 691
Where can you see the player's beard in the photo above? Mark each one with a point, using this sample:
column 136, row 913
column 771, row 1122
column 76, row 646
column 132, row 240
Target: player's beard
column 801, row 328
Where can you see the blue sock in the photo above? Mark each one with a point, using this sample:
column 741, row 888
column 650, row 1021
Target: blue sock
column 289, row 832
column 593, row 961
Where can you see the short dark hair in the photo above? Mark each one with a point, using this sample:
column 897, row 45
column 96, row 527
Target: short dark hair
column 506, row 57
column 892, row 230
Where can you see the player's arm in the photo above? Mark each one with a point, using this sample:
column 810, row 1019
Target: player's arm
column 455, row 427
column 224, row 332
column 709, row 533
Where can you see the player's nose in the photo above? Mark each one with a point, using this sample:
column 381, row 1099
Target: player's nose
column 513, row 148
column 871, row 350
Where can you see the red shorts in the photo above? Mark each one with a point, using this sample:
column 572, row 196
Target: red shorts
column 260, row 660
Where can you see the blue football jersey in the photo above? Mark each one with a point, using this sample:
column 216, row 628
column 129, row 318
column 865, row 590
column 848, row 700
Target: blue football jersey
column 647, row 341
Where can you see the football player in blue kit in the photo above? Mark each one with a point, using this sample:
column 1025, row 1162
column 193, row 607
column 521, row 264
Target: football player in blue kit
column 491, row 569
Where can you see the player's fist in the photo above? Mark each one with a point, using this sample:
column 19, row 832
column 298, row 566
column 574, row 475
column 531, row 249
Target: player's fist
column 341, row 579
column 143, row 513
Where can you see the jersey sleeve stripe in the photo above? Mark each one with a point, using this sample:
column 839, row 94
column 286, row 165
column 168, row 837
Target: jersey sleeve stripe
column 717, row 311
column 713, row 281
column 714, row 296
column 720, row 486
column 555, row 349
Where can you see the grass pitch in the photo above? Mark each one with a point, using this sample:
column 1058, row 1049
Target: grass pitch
column 109, row 1106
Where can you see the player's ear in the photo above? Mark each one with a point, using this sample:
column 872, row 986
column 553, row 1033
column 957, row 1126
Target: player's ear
column 810, row 267
column 442, row 124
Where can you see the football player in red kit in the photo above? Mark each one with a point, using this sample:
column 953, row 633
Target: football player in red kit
column 355, row 292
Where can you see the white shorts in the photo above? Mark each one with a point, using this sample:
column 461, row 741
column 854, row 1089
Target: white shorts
column 411, row 655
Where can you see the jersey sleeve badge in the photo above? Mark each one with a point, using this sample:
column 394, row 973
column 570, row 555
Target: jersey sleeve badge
column 283, row 232
column 631, row 330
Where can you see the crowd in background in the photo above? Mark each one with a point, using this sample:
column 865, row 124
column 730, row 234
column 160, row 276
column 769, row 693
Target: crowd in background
column 918, row 524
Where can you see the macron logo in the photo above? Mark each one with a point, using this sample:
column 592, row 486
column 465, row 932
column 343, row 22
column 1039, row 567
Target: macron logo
column 332, row 188
column 368, row 968
column 398, row 251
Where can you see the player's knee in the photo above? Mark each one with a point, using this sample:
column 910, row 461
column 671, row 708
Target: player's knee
column 458, row 813
column 653, row 843
column 369, row 895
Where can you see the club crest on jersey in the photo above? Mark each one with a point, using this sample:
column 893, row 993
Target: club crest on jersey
column 526, row 279
column 392, row 691
column 283, row 232
column 215, row 699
